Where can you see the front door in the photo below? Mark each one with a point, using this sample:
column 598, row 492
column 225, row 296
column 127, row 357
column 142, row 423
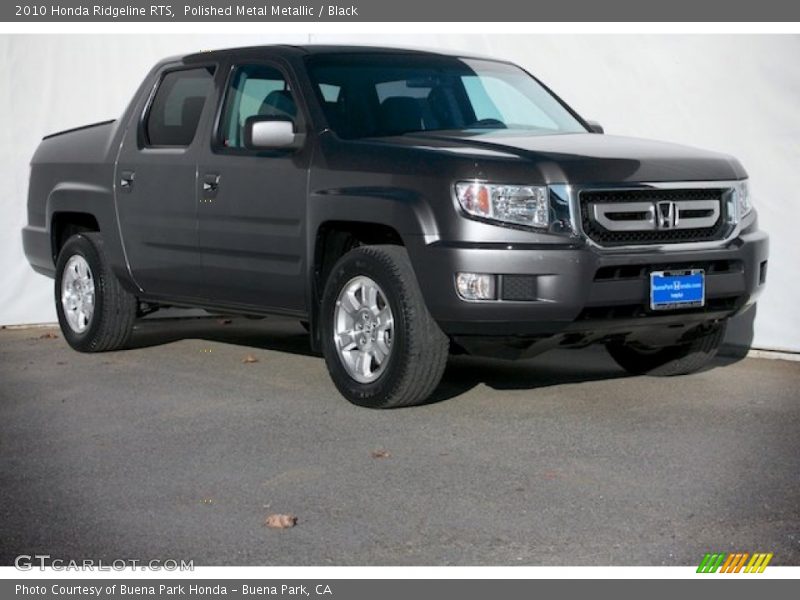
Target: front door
column 252, row 207
column 156, row 183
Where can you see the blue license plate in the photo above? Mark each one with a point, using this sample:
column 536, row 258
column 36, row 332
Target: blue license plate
column 677, row 289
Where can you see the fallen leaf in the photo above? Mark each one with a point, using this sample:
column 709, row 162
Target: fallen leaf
column 249, row 359
column 381, row 454
column 551, row 474
column 224, row 321
column 48, row 336
column 278, row 521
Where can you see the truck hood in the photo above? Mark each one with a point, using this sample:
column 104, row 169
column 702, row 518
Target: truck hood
column 583, row 157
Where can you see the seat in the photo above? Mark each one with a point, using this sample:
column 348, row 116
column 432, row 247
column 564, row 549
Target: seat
column 278, row 103
column 400, row 114
column 191, row 110
column 444, row 109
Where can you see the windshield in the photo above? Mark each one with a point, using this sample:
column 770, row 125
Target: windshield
column 376, row 95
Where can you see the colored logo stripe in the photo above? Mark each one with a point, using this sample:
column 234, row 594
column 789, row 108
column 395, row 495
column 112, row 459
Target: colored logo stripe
column 733, row 563
column 711, row 563
column 758, row 563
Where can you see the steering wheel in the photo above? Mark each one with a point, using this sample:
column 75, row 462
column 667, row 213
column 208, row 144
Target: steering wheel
column 487, row 124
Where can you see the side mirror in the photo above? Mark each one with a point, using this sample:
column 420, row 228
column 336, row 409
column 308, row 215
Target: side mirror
column 271, row 133
column 595, row 127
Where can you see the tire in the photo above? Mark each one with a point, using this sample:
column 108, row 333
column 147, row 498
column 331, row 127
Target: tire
column 114, row 309
column 418, row 349
column 680, row 359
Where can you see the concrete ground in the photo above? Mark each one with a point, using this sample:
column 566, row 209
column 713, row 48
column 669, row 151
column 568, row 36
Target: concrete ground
column 179, row 449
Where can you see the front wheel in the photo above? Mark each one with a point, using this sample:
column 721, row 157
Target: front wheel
column 381, row 345
column 679, row 359
column 95, row 312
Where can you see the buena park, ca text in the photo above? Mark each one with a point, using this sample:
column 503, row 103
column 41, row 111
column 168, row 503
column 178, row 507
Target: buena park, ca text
column 172, row 590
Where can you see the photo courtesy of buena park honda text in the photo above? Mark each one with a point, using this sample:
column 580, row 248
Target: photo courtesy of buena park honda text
column 399, row 299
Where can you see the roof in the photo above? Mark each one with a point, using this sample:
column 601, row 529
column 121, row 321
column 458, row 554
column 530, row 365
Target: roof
column 321, row 49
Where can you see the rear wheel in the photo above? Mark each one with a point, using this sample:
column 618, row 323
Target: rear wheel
column 680, row 359
column 95, row 312
column 382, row 347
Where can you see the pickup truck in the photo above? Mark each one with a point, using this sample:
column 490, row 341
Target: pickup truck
column 403, row 205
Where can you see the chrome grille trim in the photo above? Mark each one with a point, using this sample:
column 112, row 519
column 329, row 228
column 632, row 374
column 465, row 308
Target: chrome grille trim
column 603, row 214
column 568, row 194
column 565, row 195
column 655, row 215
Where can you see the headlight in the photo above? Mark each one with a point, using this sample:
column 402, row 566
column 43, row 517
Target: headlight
column 518, row 204
column 744, row 202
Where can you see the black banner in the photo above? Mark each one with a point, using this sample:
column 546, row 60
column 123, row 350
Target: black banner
column 408, row 10
column 349, row 589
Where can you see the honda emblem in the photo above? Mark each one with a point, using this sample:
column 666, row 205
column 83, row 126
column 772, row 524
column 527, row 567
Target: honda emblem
column 666, row 215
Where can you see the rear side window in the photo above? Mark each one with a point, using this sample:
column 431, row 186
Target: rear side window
column 255, row 90
column 175, row 112
column 330, row 93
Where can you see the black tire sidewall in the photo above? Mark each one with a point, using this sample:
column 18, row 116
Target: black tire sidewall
column 679, row 359
column 352, row 265
column 81, row 246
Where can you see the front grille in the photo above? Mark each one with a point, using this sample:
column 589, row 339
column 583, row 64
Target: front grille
column 628, row 233
column 642, row 271
column 639, row 311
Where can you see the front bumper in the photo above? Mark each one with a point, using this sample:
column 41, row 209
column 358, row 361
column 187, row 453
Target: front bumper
column 579, row 288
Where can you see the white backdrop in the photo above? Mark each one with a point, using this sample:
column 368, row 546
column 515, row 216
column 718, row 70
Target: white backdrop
column 736, row 94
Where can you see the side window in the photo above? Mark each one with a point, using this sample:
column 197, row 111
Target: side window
column 255, row 90
column 330, row 93
column 175, row 112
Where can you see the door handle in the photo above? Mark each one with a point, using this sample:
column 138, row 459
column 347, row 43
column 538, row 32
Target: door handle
column 210, row 184
column 126, row 181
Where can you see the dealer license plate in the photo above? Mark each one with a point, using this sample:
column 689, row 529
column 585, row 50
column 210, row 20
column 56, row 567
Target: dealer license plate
column 677, row 289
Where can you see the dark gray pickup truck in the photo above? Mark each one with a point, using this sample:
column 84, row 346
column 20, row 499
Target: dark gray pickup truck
column 403, row 205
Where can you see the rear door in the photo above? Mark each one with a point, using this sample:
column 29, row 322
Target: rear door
column 252, row 207
column 156, row 183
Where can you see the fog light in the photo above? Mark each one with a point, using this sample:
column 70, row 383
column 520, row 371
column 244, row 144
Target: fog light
column 476, row 286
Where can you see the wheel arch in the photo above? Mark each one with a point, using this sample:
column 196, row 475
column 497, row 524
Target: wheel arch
column 73, row 207
column 330, row 240
column 64, row 224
